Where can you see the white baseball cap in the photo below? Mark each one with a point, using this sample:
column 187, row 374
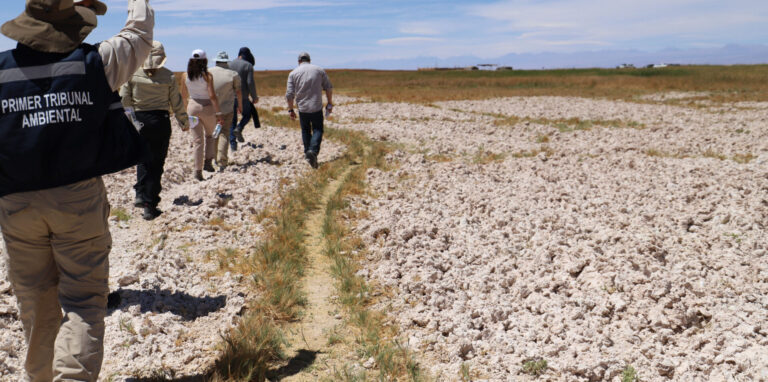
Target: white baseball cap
column 199, row 54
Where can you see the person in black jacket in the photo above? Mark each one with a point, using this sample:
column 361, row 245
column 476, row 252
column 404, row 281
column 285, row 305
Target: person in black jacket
column 243, row 65
column 61, row 127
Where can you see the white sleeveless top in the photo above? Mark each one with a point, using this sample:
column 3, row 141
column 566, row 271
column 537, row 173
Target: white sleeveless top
column 198, row 89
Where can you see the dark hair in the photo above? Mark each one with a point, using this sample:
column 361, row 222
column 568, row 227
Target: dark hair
column 196, row 68
column 246, row 54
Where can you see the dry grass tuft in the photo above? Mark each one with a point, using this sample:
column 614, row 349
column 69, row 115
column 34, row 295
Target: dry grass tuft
column 221, row 223
column 249, row 349
column 484, row 157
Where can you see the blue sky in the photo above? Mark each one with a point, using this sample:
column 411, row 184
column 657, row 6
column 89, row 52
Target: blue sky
column 337, row 32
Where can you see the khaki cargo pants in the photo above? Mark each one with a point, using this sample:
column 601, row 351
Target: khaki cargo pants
column 58, row 243
column 222, row 154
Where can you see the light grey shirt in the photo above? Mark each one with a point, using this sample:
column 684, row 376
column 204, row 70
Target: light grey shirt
column 306, row 84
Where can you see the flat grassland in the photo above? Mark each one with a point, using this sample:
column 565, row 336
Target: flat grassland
column 722, row 83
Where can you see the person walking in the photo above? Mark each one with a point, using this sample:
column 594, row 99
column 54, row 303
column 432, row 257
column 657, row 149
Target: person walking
column 61, row 127
column 198, row 91
column 151, row 92
column 243, row 65
column 226, row 84
column 305, row 85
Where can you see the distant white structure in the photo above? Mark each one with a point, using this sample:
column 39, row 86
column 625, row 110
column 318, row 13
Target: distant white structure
column 626, row 66
column 487, row 66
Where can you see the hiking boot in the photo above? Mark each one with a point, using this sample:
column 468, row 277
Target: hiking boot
column 199, row 175
column 139, row 202
column 150, row 213
column 312, row 158
column 208, row 166
column 238, row 133
column 233, row 146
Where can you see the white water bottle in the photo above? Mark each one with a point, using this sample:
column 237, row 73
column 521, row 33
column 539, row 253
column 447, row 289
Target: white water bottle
column 193, row 121
column 217, row 131
column 131, row 114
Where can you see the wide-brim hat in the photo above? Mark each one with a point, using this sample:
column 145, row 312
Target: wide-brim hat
column 222, row 57
column 54, row 26
column 156, row 58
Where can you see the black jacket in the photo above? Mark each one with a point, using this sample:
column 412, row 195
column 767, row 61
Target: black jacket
column 60, row 122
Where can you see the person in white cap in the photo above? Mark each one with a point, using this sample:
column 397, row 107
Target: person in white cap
column 61, row 127
column 198, row 91
column 151, row 92
column 227, row 85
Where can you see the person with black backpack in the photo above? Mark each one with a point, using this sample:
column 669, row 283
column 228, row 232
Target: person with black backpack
column 62, row 126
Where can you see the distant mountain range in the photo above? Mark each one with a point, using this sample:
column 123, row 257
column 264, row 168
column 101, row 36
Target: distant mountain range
column 726, row 55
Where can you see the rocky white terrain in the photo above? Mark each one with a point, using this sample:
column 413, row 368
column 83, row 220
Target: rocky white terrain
column 608, row 247
column 592, row 234
column 174, row 303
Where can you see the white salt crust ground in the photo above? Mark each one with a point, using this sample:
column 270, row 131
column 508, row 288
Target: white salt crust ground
column 594, row 257
column 174, row 307
column 467, row 127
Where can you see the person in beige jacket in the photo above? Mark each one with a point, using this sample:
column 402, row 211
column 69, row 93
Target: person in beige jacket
column 54, row 222
column 151, row 92
column 226, row 83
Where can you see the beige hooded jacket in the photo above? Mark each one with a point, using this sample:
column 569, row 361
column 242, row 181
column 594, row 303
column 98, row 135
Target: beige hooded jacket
column 154, row 87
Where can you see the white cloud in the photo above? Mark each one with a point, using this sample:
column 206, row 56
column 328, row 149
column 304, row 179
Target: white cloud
column 576, row 42
column 232, row 5
column 619, row 21
column 197, row 32
column 424, row 28
column 408, row 40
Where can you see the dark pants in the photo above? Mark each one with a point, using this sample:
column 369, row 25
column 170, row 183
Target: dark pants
column 157, row 136
column 249, row 111
column 311, row 130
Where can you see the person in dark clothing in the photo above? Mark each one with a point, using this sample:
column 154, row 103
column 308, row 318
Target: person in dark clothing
column 151, row 92
column 243, row 65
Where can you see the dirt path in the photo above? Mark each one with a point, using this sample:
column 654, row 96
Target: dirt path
column 318, row 340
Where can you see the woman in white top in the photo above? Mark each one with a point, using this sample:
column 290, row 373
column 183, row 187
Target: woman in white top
column 198, row 91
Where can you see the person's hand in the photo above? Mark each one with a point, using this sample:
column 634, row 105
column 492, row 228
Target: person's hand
column 220, row 120
column 256, row 100
column 292, row 114
column 329, row 109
